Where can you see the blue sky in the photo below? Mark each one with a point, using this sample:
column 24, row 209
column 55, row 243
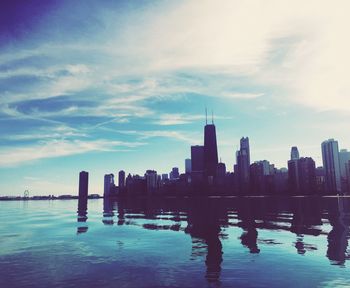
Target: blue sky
column 109, row 85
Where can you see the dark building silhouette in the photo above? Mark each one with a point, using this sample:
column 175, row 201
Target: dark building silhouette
column 188, row 166
column 121, row 179
column 243, row 165
column 330, row 157
column 174, row 174
column 83, row 184
column 259, row 172
column 307, row 176
column 221, row 174
column 293, row 176
column 82, row 216
column 197, row 160
column 108, row 185
column 210, row 151
column 294, row 153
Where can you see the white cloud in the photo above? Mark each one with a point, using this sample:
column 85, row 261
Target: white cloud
column 174, row 135
column 11, row 156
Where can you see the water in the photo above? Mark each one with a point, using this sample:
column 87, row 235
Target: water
column 203, row 242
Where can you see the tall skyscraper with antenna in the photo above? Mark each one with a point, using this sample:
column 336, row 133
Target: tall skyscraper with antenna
column 210, row 148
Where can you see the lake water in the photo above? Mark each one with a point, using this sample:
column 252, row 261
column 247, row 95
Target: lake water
column 201, row 242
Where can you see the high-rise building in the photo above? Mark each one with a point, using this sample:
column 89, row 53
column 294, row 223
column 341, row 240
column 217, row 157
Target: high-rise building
column 294, row 153
column 344, row 158
column 121, row 179
column 307, row 176
column 221, row 170
column 330, row 157
column 108, row 185
column 197, row 158
column 83, row 184
column 259, row 171
column 174, row 174
column 293, row 173
column 210, row 150
column 188, row 166
column 293, row 176
column 151, row 180
column 243, row 164
column 165, row 177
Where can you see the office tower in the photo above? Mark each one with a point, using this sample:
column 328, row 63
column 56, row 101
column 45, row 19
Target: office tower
column 151, row 180
column 210, row 150
column 347, row 169
column 188, row 166
column 174, row 174
column 197, row 158
column 293, row 174
column 344, row 158
column 108, row 185
column 306, row 176
column 165, row 177
column 221, row 170
column 294, row 154
column 280, row 179
column 121, row 179
column 243, row 164
column 83, row 184
column 320, row 180
column 330, row 157
column 258, row 180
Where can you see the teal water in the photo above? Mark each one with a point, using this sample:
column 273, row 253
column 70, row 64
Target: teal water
column 203, row 242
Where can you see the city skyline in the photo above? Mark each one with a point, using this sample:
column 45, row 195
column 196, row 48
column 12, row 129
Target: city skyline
column 124, row 86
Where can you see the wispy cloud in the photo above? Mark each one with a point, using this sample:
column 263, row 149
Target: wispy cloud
column 173, row 135
column 10, row 156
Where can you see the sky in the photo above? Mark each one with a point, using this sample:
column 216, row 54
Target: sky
column 108, row 85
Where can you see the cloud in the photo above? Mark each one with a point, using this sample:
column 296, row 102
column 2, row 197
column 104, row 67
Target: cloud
column 11, row 156
column 177, row 119
column 242, row 95
column 174, row 135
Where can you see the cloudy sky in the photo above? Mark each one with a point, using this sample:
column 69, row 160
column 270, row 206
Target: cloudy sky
column 109, row 85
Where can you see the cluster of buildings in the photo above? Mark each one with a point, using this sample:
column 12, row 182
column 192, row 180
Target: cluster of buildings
column 205, row 175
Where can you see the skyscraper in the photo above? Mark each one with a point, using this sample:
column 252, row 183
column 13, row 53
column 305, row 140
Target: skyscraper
column 210, row 150
column 121, row 179
column 294, row 153
column 306, row 176
column 174, row 174
column 108, row 185
column 344, row 158
column 243, row 164
column 197, row 158
column 83, row 184
column 330, row 157
column 293, row 173
column 188, row 166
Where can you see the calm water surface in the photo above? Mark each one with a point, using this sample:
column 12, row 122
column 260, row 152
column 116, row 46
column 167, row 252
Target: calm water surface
column 206, row 242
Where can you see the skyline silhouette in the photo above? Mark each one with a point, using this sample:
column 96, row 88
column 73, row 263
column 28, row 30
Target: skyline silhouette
column 123, row 83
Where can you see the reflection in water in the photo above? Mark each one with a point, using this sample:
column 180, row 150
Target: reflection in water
column 108, row 213
column 82, row 216
column 204, row 223
column 338, row 216
column 207, row 220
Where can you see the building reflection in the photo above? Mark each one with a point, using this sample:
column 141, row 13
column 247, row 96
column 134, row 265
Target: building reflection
column 205, row 220
column 82, row 216
column 204, row 225
column 108, row 211
column 339, row 219
column 249, row 236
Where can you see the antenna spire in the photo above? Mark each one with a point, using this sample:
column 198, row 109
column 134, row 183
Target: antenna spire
column 212, row 117
column 206, row 116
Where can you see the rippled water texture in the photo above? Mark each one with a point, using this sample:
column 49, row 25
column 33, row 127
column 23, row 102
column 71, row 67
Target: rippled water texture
column 202, row 242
